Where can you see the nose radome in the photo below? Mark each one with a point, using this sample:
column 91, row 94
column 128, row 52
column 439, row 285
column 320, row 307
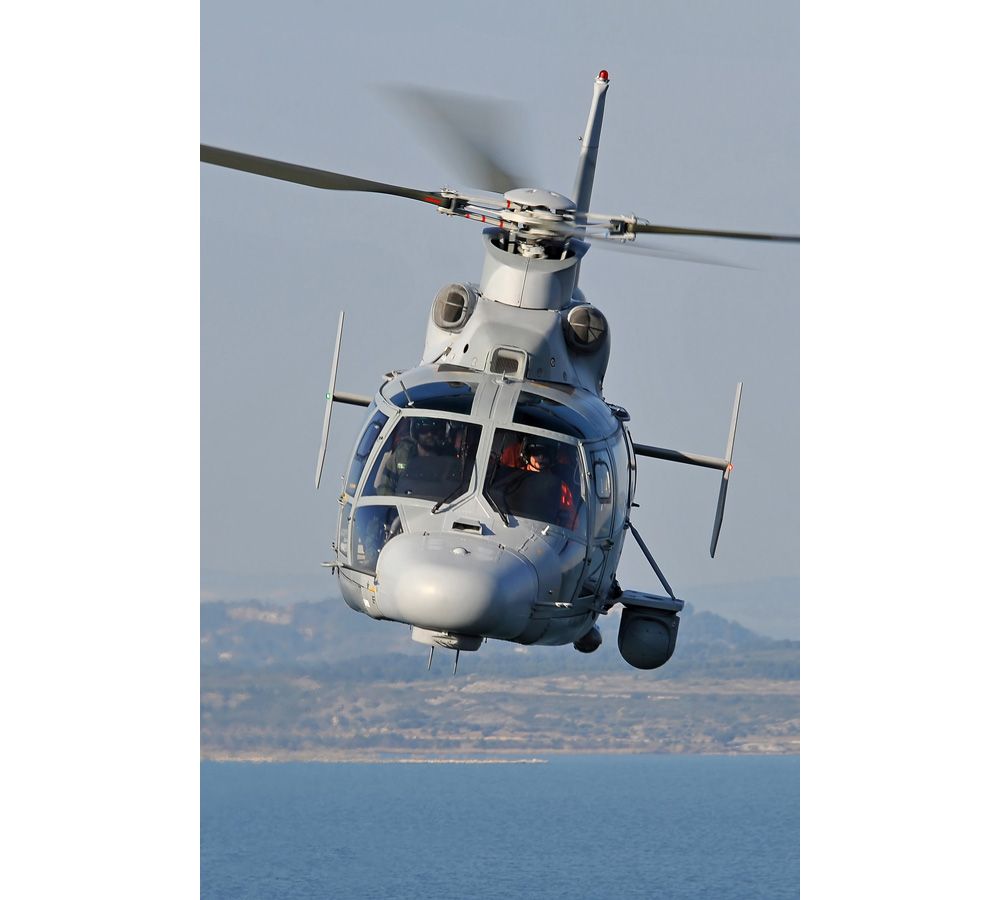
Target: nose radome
column 460, row 583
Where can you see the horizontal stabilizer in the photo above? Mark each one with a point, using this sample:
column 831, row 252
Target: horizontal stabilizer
column 691, row 459
column 352, row 399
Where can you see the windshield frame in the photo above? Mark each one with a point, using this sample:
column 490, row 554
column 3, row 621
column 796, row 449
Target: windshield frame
column 405, row 389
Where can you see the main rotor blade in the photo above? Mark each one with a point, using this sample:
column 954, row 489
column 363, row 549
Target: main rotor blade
column 640, row 228
column 620, row 246
column 319, row 178
column 474, row 132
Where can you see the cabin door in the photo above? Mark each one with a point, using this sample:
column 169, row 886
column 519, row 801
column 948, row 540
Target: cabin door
column 602, row 498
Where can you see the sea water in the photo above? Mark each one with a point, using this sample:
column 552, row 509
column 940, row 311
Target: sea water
column 572, row 826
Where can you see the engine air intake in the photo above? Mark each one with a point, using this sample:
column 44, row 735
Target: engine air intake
column 586, row 328
column 453, row 306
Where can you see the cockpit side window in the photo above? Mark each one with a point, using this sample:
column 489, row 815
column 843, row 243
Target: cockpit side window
column 536, row 478
column 371, row 431
column 425, row 458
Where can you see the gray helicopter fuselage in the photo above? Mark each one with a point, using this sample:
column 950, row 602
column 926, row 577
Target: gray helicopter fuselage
column 486, row 564
column 463, row 538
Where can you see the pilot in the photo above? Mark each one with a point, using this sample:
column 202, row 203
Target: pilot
column 540, row 456
column 427, row 438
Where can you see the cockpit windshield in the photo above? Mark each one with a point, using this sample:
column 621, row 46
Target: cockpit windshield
column 443, row 396
column 536, row 478
column 540, row 412
column 425, row 458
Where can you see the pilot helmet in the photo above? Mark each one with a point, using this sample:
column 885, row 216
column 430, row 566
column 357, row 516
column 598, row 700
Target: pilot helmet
column 423, row 423
column 428, row 430
column 544, row 450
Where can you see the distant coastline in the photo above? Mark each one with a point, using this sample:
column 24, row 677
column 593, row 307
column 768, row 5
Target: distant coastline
column 368, row 760
column 334, row 756
column 282, row 685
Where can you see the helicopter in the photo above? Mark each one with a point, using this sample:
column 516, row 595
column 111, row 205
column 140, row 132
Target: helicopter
column 490, row 489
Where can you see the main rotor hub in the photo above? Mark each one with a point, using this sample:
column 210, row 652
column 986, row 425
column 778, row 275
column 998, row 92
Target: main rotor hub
column 536, row 198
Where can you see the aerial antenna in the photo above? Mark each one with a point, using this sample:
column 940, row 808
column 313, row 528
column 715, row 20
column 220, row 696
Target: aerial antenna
column 591, row 139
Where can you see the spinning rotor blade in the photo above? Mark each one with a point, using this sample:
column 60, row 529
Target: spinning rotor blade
column 610, row 243
column 640, row 228
column 473, row 132
column 331, row 181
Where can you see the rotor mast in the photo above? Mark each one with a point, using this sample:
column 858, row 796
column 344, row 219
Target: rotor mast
column 590, row 141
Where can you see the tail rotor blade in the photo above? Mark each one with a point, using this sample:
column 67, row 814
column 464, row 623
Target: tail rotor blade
column 329, row 401
column 720, row 507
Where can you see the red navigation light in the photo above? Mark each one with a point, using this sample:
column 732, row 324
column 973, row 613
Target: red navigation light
column 604, row 75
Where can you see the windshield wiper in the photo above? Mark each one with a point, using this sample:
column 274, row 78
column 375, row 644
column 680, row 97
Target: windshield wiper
column 491, row 470
column 499, row 512
column 450, row 497
column 490, row 474
column 458, row 490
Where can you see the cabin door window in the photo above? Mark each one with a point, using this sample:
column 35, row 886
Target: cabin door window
column 603, row 494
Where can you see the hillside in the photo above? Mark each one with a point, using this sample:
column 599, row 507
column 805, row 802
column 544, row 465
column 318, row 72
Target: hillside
column 318, row 681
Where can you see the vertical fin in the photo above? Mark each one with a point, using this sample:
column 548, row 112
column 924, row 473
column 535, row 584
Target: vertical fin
column 591, row 141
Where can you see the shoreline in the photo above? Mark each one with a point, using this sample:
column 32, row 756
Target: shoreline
column 408, row 757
